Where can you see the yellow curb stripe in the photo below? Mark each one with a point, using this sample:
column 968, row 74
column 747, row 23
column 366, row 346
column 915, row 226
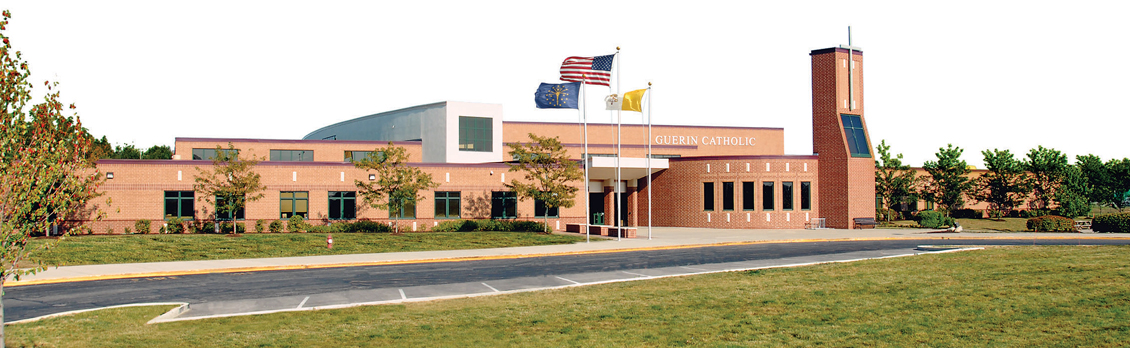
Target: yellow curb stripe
column 498, row 257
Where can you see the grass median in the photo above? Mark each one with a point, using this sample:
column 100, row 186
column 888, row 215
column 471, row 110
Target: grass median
column 1007, row 296
column 86, row 250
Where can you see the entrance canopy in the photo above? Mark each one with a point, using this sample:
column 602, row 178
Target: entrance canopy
column 631, row 168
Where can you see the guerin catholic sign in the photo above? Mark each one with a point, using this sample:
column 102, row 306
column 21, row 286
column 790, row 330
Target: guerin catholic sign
column 704, row 140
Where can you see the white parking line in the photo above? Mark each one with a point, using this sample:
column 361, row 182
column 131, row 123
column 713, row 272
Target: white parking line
column 574, row 282
column 491, row 287
column 636, row 274
column 402, row 297
column 303, row 302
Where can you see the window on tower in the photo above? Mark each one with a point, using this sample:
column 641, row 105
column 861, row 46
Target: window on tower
column 856, row 136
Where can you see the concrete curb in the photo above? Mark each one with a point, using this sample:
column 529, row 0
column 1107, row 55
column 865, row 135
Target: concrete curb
column 504, row 257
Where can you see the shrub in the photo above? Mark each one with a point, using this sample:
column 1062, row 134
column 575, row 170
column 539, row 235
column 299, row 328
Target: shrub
column 1028, row 214
column 225, row 227
column 296, row 224
column 276, row 226
column 1111, row 223
column 1051, row 223
column 365, row 226
column 259, row 226
column 142, row 226
column 933, row 219
column 966, row 214
column 126, row 230
column 489, row 225
column 175, row 225
column 1015, row 213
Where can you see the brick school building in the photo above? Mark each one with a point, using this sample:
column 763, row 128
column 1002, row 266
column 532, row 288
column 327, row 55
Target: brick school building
column 701, row 176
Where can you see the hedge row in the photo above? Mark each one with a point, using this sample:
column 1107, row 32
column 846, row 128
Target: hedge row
column 1051, row 223
column 1112, row 223
column 489, row 225
column 933, row 219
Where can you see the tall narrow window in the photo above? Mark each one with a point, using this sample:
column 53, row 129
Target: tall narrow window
column 541, row 212
column 476, row 134
column 805, row 195
column 708, row 196
column 856, row 136
column 727, row 196
column 447, row 204
column 293, row 203
column 180, row 204
column 343, row 205
column 749, row 195
column 787, row 195
column 407, row 211
column 767, row 196
column 503, row 205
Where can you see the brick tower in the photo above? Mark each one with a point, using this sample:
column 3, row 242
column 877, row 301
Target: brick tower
column 839, row 136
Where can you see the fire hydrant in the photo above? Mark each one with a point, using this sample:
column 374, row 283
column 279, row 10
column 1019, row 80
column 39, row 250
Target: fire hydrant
column 329, row 241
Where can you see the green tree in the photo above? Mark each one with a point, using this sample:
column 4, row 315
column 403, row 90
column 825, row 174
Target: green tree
column 46, row 172
column 1073, row 193
column 1047, row 167
column 1098, row 178
column 1004, row 186
column 1119, row 183
column 230, row 184
column 100, row 148
column 158, row 152
column 949, row 178
column 550, row 176
column 895, row 182
column 127, row 151
column 397, row 184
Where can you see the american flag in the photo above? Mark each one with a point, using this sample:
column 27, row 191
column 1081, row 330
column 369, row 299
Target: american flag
column 596, row 70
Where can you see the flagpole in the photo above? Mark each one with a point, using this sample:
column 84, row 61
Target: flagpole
column 584, row 156
column 649, row 158
column 619, row 155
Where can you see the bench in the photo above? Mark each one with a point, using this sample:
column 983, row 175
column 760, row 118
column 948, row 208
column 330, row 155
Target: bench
column 814, row 224
column 860, row 222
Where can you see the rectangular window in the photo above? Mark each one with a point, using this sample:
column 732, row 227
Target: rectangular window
column 929, row 205
column 180, row 204
column 476, row 134
column 541, row 212
column 805, row 195
column 787, row 195
column 293, row 203
column 503, row 205
column 665, row 156
column 292, row 155
column 447, row 205
column 767, row 196
column 207, row 154
column 343, row 205
column 727, row 196
column 407, row 211
column 708, row 196
column 856, row 136
column 749, row 196
column 354, row 156
column 228, row 216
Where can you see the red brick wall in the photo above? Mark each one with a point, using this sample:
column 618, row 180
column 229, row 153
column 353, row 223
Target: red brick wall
column 678, row 192
column 848, row 183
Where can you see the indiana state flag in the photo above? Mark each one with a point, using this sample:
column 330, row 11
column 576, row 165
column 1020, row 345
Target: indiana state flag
column 558, row 96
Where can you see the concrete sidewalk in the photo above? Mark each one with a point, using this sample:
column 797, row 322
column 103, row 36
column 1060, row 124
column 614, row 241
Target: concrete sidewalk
column 662, row 238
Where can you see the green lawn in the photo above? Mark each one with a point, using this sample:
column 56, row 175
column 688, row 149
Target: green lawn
column 85, row 250
column 1013, row 296
column 973, row 225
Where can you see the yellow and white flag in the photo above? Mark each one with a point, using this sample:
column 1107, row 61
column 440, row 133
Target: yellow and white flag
column 631, row 101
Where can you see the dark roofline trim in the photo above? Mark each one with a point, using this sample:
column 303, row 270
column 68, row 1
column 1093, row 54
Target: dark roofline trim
column 832, row 49
column 295, row 163
column 298, row 141
column 754, row 157
column 637, row 125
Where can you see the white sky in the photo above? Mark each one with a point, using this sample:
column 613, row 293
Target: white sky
column 979, row 74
